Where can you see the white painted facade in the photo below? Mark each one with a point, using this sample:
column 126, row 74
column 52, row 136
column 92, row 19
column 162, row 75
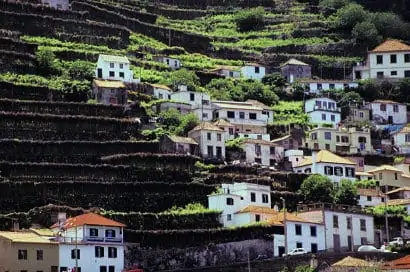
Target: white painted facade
column 402, row 141
column 262, row 152
column 200, row 103
column 256, row 72
column 57, row 4
column 228, row 73
column 243, row 195
column 294, row 156
column 170, row 62
column 211, row 142
column 265, row 136
column 114, row 68
column 162, row 93
column 388, row 112
column 311, row 236
column 370, row 201
column 317, row 86
column 322, row 111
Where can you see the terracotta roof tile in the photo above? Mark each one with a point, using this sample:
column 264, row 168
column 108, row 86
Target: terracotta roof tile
column 258, row 209
column 326, row 157
column 399, row 264
column 91, row 219
column 399, row 190
column 207, row 126
column 185, row 140
column 25, row 237
column 159, row 86
column 279, row 217
column 256, row 141
column 384, row 167
column 294, row 62
column 396, row 202
column 223, row 123
column 352, row 262
column 370, row 192
column 391, row 46
column 385, row 101
column 109, row 84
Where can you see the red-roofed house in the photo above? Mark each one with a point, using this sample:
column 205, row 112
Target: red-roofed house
column 402, row 264
column 391, row 60
column 91, row 242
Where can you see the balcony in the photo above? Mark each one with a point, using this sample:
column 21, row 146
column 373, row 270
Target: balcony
column 103, row 239
column 326, row 109
column 253, row 122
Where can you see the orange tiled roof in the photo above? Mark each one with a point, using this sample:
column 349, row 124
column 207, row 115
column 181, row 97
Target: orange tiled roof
column 89, row 219
column 391, row 46
column 279, row 217
column 257, row 209
column 399, row 264
column 384, row 101
column 405, row 188
column 370, row 192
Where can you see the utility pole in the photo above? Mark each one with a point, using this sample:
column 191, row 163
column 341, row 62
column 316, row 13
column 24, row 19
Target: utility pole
column 249, row 261
column 76, row 250
column 385, row 215
column 284, row 224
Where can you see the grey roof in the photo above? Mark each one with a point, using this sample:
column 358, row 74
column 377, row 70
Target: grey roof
column 111, row 58
column 294, row 62
column 185, row 140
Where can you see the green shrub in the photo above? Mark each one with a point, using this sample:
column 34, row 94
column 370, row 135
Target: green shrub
column 366, row 33
column 350, row 15
column 47, row 64
column 204, row 167
column 252, row 19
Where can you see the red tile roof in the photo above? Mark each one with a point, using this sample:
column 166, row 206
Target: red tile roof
column 90, row 219
column 391, row 46
column 402, row 263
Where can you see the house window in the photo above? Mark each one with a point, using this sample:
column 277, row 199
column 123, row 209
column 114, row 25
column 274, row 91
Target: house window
column 362, row 140
column 219, row 137
column 265, row 198
column 229, row 201
column 209, row 136
column 75, row 254
column 361, row 115
column 337, row 138
column 338, row 171
column 379, row 59
column 369, row 198
column 332, row 117
column 363, row 240
column 192, row 96
column 231, row 114
column 230, row 74
column 258, row 160
column 112, row 252
column 319, row 86
column 318, row 103
column 380, row 176
column 93, row 232
column 121, row 66
column 257, row 70
column 393, row 58
column 112, row 74
column 344, row 139
column 313, row 136
column 99, row 252
column 407, row 58
column 299, row 245
column 230, row 131
column 349, row 222
column 380, row 74
column 229, row 217
column 109, row 233
column 175, row 64
column 205, row 102
column 258, row 149
column 329, row 170
column 395, row 108
column 298, row 229
column 272, row 150
column 22, row 254
column 253, row 197
column 362, row 224
column 393, row 73
column 349, row 172
column 407, row 73
column 257, row 218
column 407, row 139
column 382, row 107
column 241, row 115
column 395, row 176
column 313, row 248
column 103, row 269
column 122, row 74
column 210, row 151
column 252, row 116
column 323, row 117
column 327, row 146
column 335, row 221
column 331, row 86
column 40, row 255
column 167, row 61
column 160, row 96
column 313, row 231
column 328, row 135
column 205, row 115
column 111, row 65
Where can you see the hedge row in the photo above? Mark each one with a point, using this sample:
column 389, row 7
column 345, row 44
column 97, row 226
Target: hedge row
column 107, row 173
column 163, row 161
column 69, row 151
column 198, row 237
column 65, row 127
column 70, row 108
column 22, row 7
column 203, row 4
column 11, row 44
column 178, row 38
column 122, row 197
column 12, row 61
column 110, row 41
column 51, row 26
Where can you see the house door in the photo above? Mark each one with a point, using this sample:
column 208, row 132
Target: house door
column 99, row 73
column 281, row 250
column 219, row 152
column 336, row 242
column 349, row 243
column 390, row 119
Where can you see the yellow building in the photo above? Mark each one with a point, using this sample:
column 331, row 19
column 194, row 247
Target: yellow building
column 27, row 251
column 390, row 176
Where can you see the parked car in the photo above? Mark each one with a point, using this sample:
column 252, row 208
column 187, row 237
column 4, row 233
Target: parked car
column 367, row 248
column 296, row 251
column 397, row 241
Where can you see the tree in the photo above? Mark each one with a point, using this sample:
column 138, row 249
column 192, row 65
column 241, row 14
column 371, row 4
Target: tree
column 251, row 19
column 220, row 88
column 47, row 64
column 275, row 79
column 346, row 193
column 251, row 89
column 187, row 122
column 388, row 24
column 368, row 90
column 329, row 7
column 81, row 70
column 350, row 15
column 184, row 77
column 170, row 119
column 317, row 188
column 366, row 32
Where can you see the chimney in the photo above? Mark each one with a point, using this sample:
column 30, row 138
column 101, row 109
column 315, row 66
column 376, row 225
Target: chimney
column 61, row 218
column 16, row 225
column 182, row 88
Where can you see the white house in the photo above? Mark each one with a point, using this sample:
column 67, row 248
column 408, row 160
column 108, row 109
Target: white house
column 253, row 71
column 326, row 163
column 161, row 91
column 294, row 156
column 322, row 111
column 211, row 140
column 388, row 112
column 370, row 197
column 317, row 85
column 114, row 68
column 90, row 241
column 57, row 4
column 170, row 62
column 262, row 152
column 346, row 229
column 250, row 117
column 227, row 71
column 390, row 60
column 200, row 102
column 401, row 140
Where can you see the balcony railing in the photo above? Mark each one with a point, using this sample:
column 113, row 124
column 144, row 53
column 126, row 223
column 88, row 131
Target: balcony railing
column 327, row 109
column 103, row 239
